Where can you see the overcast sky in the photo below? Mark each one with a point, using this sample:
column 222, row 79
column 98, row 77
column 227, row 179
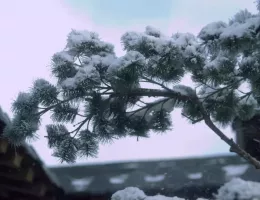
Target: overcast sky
column 33, row 30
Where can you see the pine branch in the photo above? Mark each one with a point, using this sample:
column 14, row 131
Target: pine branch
column 156, row 83
column 233, row 146
column 147, row 107
column 192, row 120
column 53, row 106
column 145, row 92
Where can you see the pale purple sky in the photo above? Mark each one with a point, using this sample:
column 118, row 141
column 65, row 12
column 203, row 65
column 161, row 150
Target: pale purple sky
column 31, row 31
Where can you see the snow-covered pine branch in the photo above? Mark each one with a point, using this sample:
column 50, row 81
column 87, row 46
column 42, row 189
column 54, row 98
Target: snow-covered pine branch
column 104, row 97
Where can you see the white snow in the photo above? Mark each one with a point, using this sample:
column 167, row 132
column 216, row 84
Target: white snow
column 235, row 29
column 185, row 43
column 184, row 39
column 197, row 175
column 235, row 189
column 154, row 178
column 62, row 57
column 118, row 179
column 133, row 193
column 130, row 193
column 235, row 170
column 239, row 30
column 212, row 29
column 104, row 61
column 76, row 38
column 149, row 30
column 218, row 62
column 88, row 72
column 194, row 60
column 244, row 190
column 131, row 57
column 81, row 184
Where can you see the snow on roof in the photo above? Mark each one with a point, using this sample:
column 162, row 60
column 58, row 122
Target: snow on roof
column 197, row 175
column 118, row 179
column 154, row 178
column 81, row 184
column 235, row 170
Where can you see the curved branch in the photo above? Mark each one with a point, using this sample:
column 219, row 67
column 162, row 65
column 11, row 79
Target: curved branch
column 233, row 146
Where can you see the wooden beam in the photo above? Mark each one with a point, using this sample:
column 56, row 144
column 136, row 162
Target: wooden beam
column 12, row 160
column 26, row 175
column 38, row 190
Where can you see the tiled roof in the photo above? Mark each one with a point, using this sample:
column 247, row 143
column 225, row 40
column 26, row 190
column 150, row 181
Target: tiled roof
column 160, row 175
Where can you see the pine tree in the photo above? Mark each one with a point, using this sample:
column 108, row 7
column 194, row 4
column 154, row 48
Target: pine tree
column 108, row 97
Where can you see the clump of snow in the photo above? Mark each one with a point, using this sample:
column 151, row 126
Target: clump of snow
column 118, row 179
column 81, row 184
column 237, row 29
column 62, row 58
column 197, row 175
column 218, row 62
column 235, row 170
column 184, row 39
column 212, row 30
column 78, row 38
column 241, row 17
column 239, row 189
column 130, row 193
column 240, row 30
column 153, row 179
column 133, row 193
column 131, row 57
column 181, row 43
column 104, row 61
column 85, row 73
column 149, row 30
column 194, row 60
